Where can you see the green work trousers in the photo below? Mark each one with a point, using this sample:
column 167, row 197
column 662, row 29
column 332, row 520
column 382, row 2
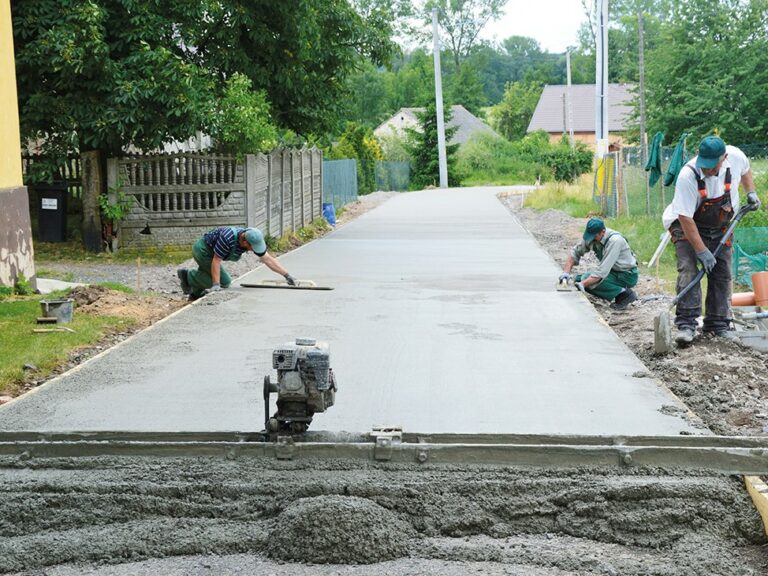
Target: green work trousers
column 612, row 285
column 200, row 279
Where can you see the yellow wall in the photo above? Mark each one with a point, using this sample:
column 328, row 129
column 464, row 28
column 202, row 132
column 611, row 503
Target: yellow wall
column 10, row 150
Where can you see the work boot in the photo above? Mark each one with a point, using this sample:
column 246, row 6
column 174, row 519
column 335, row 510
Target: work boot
column 685, row 336
column 624, row 299
column 182, row 274
column 729, row 335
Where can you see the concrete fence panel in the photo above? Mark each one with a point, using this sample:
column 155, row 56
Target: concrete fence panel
column 175, row 198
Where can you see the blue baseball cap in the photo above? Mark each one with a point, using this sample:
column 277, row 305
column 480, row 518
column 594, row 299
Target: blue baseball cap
column 711, row 150
column 255, row 238
column 594, row 227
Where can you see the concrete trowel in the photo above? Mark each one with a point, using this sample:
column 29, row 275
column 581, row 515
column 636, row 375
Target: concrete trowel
column 565, row 285
column 300, row 285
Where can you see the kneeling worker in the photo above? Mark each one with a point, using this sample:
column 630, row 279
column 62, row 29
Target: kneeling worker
column 617, row 273
column 225, row 243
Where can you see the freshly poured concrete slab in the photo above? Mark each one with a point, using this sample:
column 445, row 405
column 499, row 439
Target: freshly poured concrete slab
column 444, row 318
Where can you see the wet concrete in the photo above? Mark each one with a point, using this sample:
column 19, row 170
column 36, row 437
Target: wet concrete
column 444, row 318
column 256, row 515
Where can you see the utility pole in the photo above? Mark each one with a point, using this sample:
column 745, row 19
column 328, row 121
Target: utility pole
column 569, row 97
column 643, row 135
column 441, row 155
column 601, row 77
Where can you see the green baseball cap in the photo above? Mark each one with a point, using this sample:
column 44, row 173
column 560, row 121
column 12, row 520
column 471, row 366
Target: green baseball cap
column 711, row 150
column 256, row 239
column 594, row 227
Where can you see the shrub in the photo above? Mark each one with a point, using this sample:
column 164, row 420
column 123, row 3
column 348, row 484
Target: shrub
column 243, row 123
column 359, row 143
column 22, row 286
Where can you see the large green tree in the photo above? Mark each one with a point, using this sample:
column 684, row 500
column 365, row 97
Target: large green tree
column 102, row 74
column 462, row 21
column 513, row 114
column 299, row 51
column 710, row 69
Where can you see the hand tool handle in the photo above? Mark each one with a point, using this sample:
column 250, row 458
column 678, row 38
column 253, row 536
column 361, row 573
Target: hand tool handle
column 739, row 215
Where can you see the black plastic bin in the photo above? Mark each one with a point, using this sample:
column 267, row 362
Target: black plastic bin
column 52, row 211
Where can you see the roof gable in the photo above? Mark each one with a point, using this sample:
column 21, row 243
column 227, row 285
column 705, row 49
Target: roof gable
column 466, row 122
column 550, row 110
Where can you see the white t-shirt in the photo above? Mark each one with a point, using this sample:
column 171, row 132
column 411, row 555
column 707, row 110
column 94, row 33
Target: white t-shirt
column 686, row 200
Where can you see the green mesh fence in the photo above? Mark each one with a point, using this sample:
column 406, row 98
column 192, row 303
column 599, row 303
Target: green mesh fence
column 392, row 175
column 750, row 253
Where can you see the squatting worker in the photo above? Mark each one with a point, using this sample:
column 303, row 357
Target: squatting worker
column 617, row 273
column 225, row 243
column 706, row 193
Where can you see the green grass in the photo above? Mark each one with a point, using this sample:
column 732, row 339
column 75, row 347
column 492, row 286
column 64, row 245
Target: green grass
column 55, row 274
column 574, row 199
column 117, row 287
column 73, row 251
column 20, row 346
column 291, row 240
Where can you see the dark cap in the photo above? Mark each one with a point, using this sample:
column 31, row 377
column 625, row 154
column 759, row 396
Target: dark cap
column 594, row 227
column 711, row 150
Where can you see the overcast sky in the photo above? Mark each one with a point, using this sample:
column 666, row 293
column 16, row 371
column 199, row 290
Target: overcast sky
column 554, row 23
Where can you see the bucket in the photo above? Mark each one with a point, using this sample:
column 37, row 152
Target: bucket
column 59, row 309
column 760, row 286
column 743, row 299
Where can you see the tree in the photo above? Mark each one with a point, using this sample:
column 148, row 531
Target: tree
column 422, row 146
column 465, row 87
column 102, row 74
column 299, row 51
column 513, row 114
column 368, row 103
column 709, row 70
column 462, row 21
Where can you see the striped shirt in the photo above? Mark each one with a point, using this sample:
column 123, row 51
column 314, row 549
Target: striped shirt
column 224, row 243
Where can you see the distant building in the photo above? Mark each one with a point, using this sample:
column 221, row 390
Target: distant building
column 467, row 123
column 551, row 114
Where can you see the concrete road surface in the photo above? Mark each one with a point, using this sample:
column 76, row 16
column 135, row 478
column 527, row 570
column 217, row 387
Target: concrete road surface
column 444, row 318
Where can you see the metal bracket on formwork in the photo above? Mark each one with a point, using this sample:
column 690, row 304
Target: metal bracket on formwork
column 285, row 448
column 387, row 438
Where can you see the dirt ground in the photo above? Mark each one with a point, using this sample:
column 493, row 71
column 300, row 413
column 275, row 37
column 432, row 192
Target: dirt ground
column 725, row 384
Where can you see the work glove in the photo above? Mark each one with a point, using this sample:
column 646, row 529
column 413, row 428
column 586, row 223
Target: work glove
column 564, row 277
column 290, row 280
column 707, row 259
column 580, row 286
column 753, row 200
column 214, row 288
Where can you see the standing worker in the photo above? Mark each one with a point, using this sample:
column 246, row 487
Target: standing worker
column 225, row 243
column 617, row 273
column 706, row 193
